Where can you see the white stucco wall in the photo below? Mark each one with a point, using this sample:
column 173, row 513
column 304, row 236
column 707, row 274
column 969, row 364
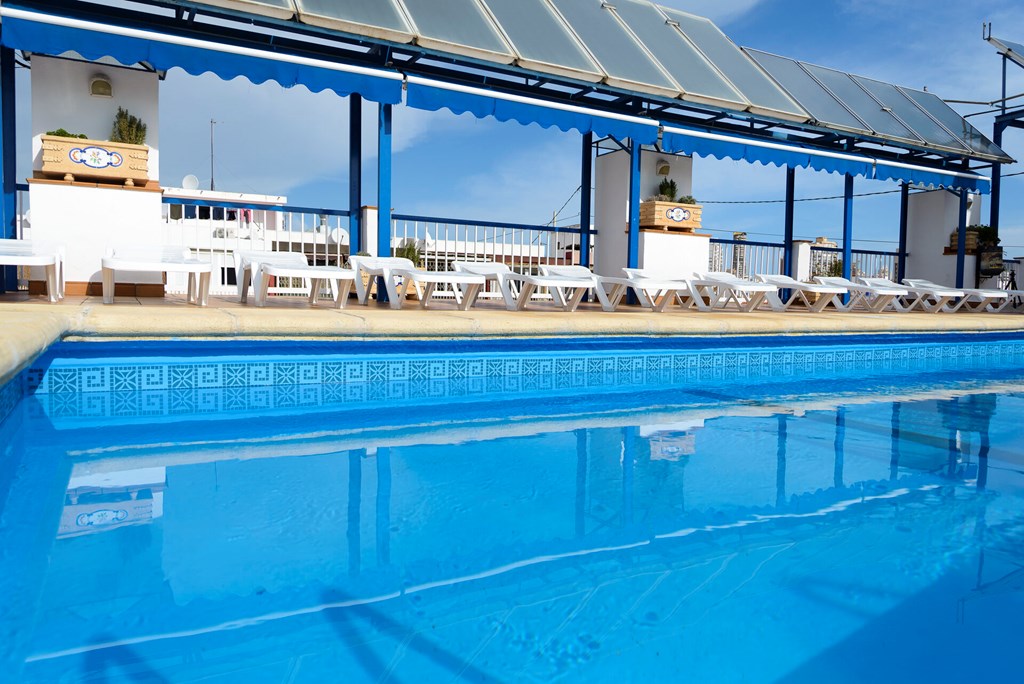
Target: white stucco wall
column 87, row 220
column 611, row 212
column 61, row 99
column 931, row 217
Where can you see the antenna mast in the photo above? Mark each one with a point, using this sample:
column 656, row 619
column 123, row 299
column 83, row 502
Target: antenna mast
column 212, row 123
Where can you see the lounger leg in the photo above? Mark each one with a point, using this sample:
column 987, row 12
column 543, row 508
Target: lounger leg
column 775, row 302
column 505, row 287
column 823, row 301
column 572, row 303
column 51, row 283
column 362, row 289
column 428, row 292
column 525, row 292
column 108, row 286
column 343, row 289
column 604, row 299
column 391, row 285
column 314, row 290
column 260, row 295
column 470, row 295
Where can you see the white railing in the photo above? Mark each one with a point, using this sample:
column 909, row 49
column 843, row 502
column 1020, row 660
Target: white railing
column 524, row 248
column 214, row 233
column 828, row 261
column 746, row 259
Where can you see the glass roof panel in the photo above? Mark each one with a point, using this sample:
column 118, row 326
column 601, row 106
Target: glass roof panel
column 948, row 117
column 279, row 9
column 455, row 21
column 1012, row 50
column 745, row 75
column 686, row 65
column 910, row 114
column 617, row 51
column 808, row 92
column 863, row 105
column 381, row 14
column 538, row 35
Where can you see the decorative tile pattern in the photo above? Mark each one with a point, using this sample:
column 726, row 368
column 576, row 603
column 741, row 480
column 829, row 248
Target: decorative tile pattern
column 426, row 376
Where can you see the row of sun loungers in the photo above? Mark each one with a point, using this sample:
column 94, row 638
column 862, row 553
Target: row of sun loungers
column 567, row 285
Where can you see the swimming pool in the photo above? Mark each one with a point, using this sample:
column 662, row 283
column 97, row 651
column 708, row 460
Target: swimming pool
column 759, row 510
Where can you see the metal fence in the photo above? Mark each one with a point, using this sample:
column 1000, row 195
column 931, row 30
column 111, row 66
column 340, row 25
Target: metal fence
column 746, row 259
column 828, row 261
column 215, row 230
column 523, row 247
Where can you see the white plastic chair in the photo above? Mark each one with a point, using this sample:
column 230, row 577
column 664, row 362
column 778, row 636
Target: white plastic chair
column 721, row 288
column 875, row 299
column 799, row 291
column 157, row 260
column 49, row 257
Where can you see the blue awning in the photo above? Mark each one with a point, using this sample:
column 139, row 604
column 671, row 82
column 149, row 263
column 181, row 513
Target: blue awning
column 53, row 35
column 432, row 95
column 705, row 144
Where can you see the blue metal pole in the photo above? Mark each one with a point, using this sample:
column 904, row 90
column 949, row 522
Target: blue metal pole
column 384, row 180
column 355, row 172
column 633, row 247
column 586, row 180
column 901, row 259
column 961, row 240
column 8, row 162
column 787, row 238
column 997, row 179
column 848, row 226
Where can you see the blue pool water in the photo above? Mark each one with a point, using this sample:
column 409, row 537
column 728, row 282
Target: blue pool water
column 573, row 511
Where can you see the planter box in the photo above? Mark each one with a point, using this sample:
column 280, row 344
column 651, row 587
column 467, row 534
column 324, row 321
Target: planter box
column 74, row 158
column 670, row 216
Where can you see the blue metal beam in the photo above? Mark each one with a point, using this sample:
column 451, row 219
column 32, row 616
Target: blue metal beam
column 787, row 238
column 997, row 178
column 355, row 173
column 384, row 180
column 8, row 165
column 633, row 245
column 961, row 239
column 847, row 226
column 586, row 181
column 901, row 260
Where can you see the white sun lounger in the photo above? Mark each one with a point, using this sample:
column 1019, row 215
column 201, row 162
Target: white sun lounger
column 976, row 300
column 657, row 291
column 799, row 291
column 609, row 289
column 873, row 298
column 247, row 267
column 721, row 288
column 28, row 253
column 157, row 260
column 399, row 274
column 517, row 288
column 294, row 265
column 932, row 299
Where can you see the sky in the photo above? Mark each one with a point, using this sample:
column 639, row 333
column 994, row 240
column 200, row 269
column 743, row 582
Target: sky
column 277, row 141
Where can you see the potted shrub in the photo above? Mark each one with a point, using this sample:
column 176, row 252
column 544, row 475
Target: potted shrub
column 667, row 211
column 123, row 159
column 990, row 254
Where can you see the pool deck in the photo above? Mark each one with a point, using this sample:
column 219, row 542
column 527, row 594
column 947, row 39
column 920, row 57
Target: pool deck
column 28, row 325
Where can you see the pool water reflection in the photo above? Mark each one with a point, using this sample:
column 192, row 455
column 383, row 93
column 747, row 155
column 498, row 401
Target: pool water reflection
column 771, row 532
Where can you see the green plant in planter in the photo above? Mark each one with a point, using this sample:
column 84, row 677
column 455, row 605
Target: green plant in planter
column 987, row 235
column 668, row 189
column 686, row 199
column 60, row 132
column 409, row 249
column 128, row 128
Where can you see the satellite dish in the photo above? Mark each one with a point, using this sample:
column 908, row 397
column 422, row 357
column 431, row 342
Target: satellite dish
column 190, row 182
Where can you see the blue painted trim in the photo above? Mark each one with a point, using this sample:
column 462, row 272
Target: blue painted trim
column 264, row 207
column 383, row 180
column 21, row 187
column 847, row 225
column 633, row 243
column 961, row 239
column 482, row 224
column 586, row 182
column 8, row 164
column 788, row 221
column 901, row 263
column 355, row 173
